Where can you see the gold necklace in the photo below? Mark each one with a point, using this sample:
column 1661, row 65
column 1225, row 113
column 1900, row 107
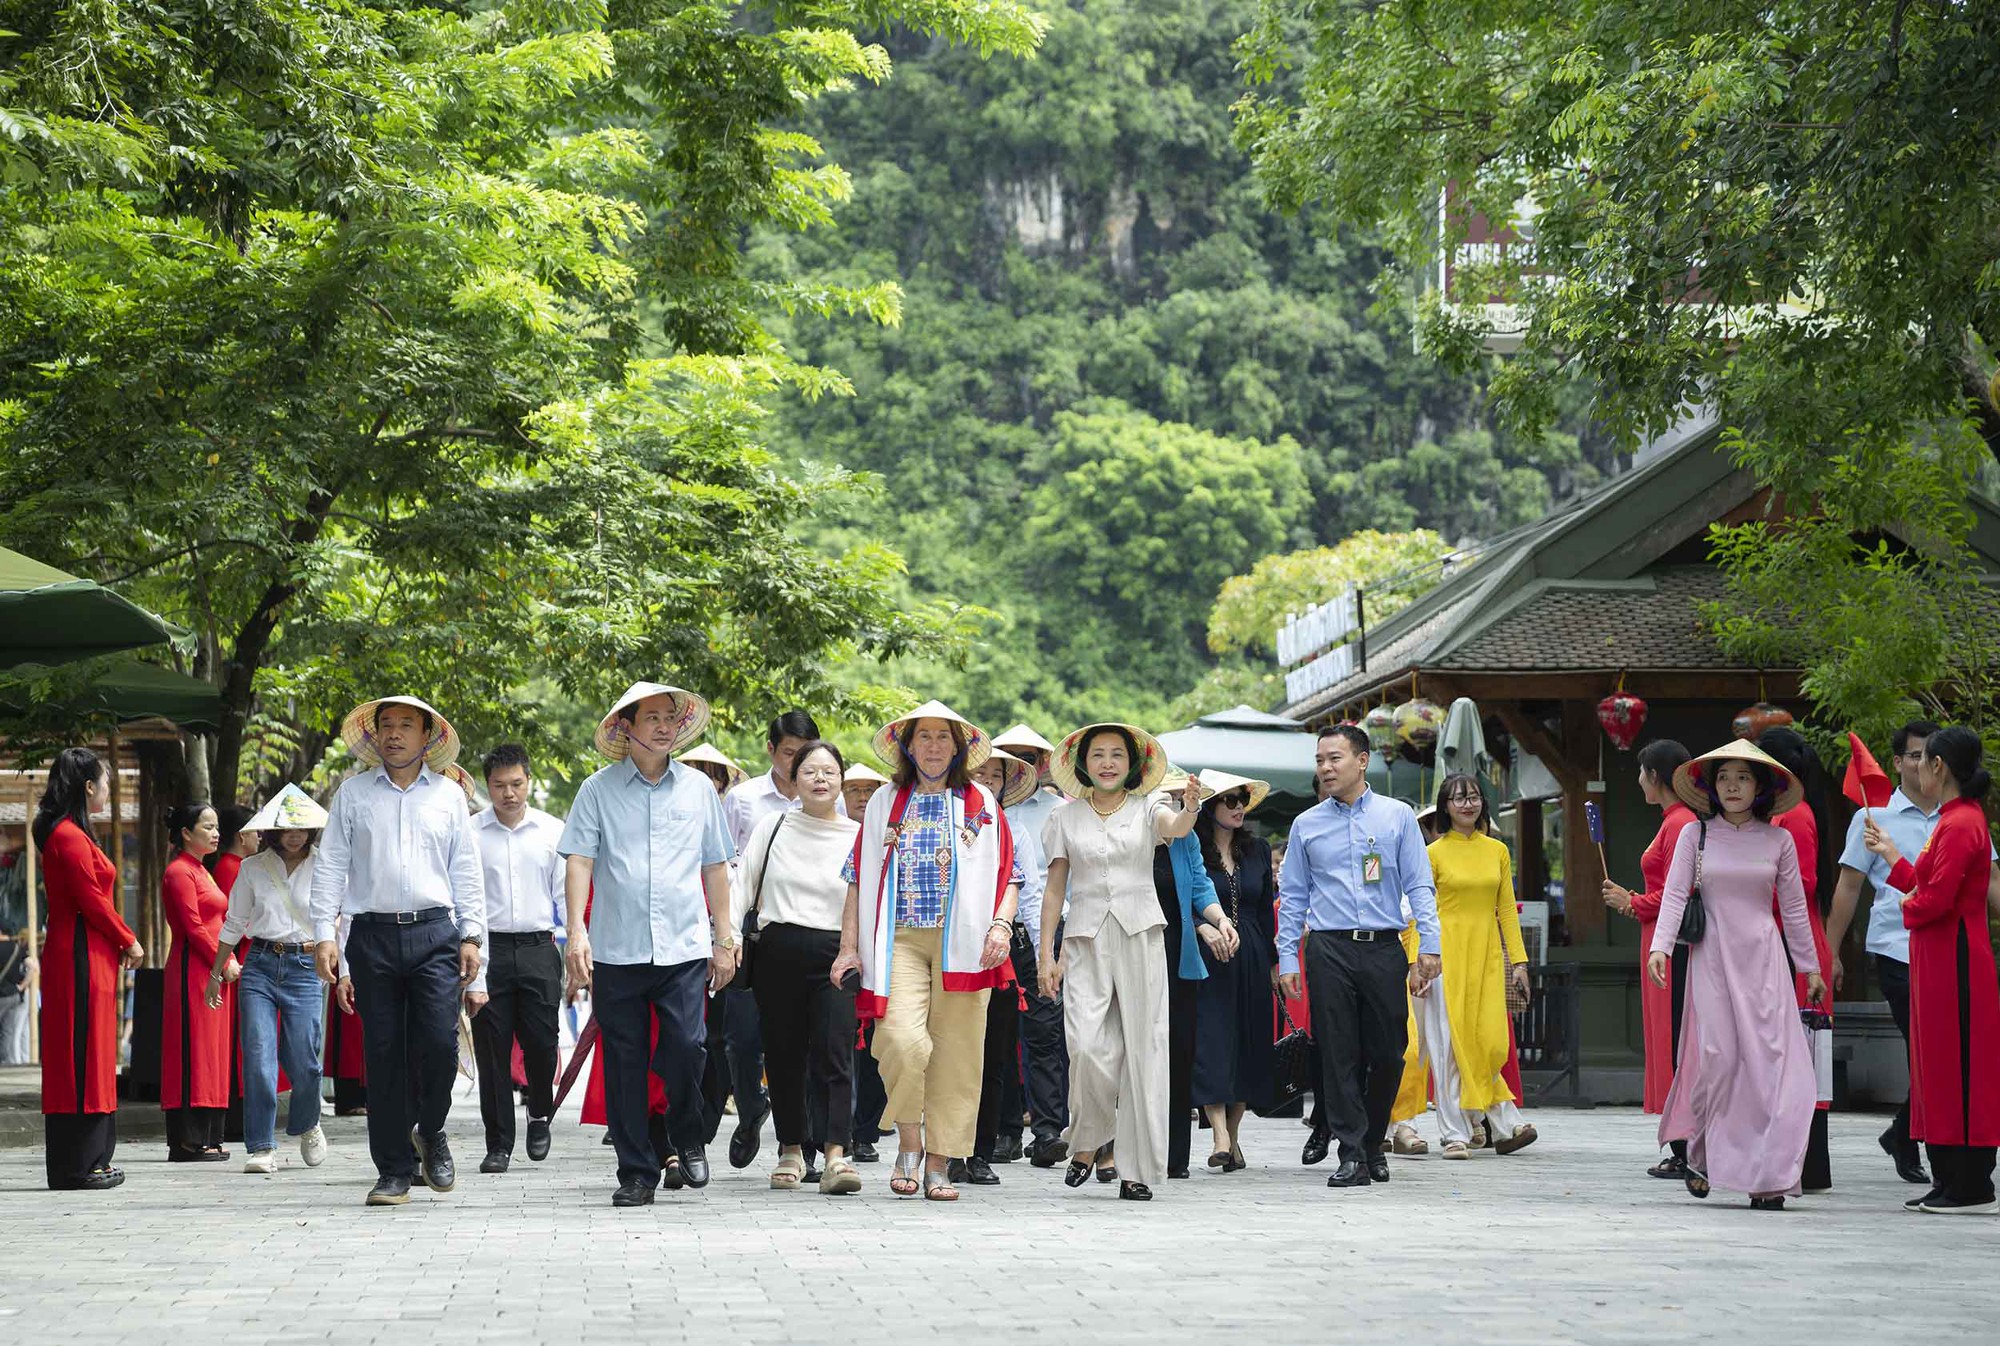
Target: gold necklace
column 1091, row 798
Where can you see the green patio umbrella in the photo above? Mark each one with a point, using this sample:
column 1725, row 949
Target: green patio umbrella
column 127, row 690
column 1254, row 743
column 49, row 617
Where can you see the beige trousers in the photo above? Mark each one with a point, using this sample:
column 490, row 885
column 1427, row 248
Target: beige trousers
column 1115, row 1016
column 931, row 1046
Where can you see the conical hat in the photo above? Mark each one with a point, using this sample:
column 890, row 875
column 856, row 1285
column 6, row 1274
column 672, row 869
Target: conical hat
column 462, row 778
column 710, row 755
column 1020, row 736
column 292, row 809
column 611, row 737
column 1214, row 782
column 359, row 731
column 1688, row 779
column 1018, row 779
column 1067, row 773
column 862, row 773
column 888, row 747
column 1175, row 781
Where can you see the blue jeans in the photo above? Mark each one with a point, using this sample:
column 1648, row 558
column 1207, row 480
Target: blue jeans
column 281, row 1002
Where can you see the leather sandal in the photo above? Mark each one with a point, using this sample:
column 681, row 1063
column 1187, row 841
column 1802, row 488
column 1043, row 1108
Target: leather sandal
column 938, row 1187
column 1673, row 1168
column 790, row 1172
column 1697, row 1182
column 903, row 1177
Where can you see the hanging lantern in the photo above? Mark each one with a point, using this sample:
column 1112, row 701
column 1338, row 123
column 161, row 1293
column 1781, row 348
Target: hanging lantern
column 1418, row 723
column 1622, row 715
column 1754, row 720
column 1380, row 726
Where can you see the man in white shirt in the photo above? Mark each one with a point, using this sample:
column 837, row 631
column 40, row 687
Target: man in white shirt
column 517, row 996
column 1044, row 1050
column 398, row 859
column 736, row 1063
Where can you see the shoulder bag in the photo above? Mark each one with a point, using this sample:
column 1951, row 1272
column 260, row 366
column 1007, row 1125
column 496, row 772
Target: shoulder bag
column 748, row 936
column 1694, row 916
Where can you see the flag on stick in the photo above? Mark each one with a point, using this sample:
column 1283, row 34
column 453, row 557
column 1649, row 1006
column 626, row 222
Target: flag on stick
column 1866, row 784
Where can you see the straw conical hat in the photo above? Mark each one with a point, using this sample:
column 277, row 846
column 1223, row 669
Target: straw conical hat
column 462, row 778
column 1067, row 773
column 1688, row 779
column 1214, row 782
column 1020, row 736
column 612, row 739
column 359, row 731
column 291, row 810
column 1176, row 780
column 707, row 754
column 860, row 773
column 889, row 748
column 1019, row 780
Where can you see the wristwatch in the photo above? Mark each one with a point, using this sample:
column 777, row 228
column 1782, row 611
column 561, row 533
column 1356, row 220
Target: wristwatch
column 726, row 942
column 476, row 941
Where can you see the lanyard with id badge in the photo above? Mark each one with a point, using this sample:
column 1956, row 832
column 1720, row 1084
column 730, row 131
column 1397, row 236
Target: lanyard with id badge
column 1371, row 863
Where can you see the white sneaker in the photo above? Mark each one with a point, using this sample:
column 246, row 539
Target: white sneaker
column 261, row 1161
column 312, row 1147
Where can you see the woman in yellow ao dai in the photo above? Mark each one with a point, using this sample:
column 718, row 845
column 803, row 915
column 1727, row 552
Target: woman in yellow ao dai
column 1463, row 1018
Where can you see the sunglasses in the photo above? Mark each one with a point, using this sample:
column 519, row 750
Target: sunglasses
column 1235, row 799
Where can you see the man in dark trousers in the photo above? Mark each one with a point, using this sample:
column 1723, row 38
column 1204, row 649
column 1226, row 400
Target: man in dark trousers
column 398, row 858
column 518, row 996
column 1352, row 860
column 647, row 832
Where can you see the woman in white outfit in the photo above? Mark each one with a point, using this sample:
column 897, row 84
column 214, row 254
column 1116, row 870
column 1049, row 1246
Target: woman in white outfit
column 1113, row 969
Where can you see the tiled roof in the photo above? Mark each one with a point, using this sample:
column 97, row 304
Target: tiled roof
column 1653, row 621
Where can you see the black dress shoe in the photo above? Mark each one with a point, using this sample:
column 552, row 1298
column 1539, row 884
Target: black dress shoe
column 954, row 1172
column 100, row 1180
column 1108, row 1173
column 980, row 1173
column 1077, row 1174
column 632, row 1194
column 694, row 1166
column 744, row 1141
column 1767, row 1203
column 1351, row 1173
column 495, row 1163
column 1134, row 1191
column 1378, row 1167
column 1177, row 1173
column 1007, row 1149
column 1909, row 1163
column 538, row 1139
column 864, row 1153
column 1048, row 1153
column 438, row 1173
column 389, row 1191
column 1317, row 1145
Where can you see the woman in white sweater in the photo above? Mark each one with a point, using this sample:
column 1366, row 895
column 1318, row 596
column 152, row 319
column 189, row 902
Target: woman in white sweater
column 792, row 879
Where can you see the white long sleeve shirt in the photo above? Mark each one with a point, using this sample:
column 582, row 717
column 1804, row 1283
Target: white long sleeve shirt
column 388, row 849
column 267, row 903
column 523, row 875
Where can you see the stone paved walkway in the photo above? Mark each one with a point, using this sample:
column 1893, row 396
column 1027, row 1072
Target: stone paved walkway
column 1565, row 1242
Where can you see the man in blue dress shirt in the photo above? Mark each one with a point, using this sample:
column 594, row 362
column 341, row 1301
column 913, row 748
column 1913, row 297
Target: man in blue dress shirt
column 1352, row 860
column 647, row 846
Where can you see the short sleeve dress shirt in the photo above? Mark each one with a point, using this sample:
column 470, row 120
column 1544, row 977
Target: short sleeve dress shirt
column 649, row 841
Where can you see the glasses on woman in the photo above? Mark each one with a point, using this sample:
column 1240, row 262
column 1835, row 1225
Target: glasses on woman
column 1235, row 799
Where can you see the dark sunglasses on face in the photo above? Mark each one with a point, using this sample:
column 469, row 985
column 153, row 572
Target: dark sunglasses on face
column 1240, row 799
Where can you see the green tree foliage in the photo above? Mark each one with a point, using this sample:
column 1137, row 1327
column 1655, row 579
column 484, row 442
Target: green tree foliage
column 1791, row 211
column 1394, row 568
column 1079, row 229
column 410, row 346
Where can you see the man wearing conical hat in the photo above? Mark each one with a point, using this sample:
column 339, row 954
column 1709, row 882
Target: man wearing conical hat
column 399, row 860
column 1044, row 1049
column 647, row 835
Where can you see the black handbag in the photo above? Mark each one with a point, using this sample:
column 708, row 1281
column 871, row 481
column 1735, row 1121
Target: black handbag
column 1694, row 916
column 748, row 936
column 1295, row 1061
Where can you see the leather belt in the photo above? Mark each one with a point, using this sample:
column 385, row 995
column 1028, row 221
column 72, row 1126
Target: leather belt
column 282, row 950
column 400, row 917
column 1362, row 936
column 521, row 936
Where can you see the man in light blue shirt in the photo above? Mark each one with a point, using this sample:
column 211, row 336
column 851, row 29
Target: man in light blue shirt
column 1352, row 860
column 647, row 847
column 1044, row 1049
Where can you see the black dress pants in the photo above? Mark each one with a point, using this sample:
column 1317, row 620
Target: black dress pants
column 1000, row 1085
column 808, row 1032
column 1044, row 1050
column 524, row 979
column 76, row 1144
column 406, row 990
column 1360, row 1024
column 1182, row 998
column 1894, row 979
column 192, row 1130
column 621, row 995
column 871, row 1096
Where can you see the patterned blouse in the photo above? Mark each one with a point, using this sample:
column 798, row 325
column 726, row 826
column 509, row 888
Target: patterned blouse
column 924, row 861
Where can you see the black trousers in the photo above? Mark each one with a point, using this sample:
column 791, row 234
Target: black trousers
column 735, row 1060
column 1894, row 979
column 621, row 995
column 406, row 990
column 77, row 1143
column 808, row 1035
column 1044, row 1050
column 871, row 1096
column 190, row 1130
column 1360, row 1024
column 1000, row 1085
column 1181, row 1003
column 524, row 977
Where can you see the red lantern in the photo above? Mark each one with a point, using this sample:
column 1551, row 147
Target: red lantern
column 1754, row 720
column 1622, row 715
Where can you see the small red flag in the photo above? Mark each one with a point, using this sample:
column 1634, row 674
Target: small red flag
column 1866, row 784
